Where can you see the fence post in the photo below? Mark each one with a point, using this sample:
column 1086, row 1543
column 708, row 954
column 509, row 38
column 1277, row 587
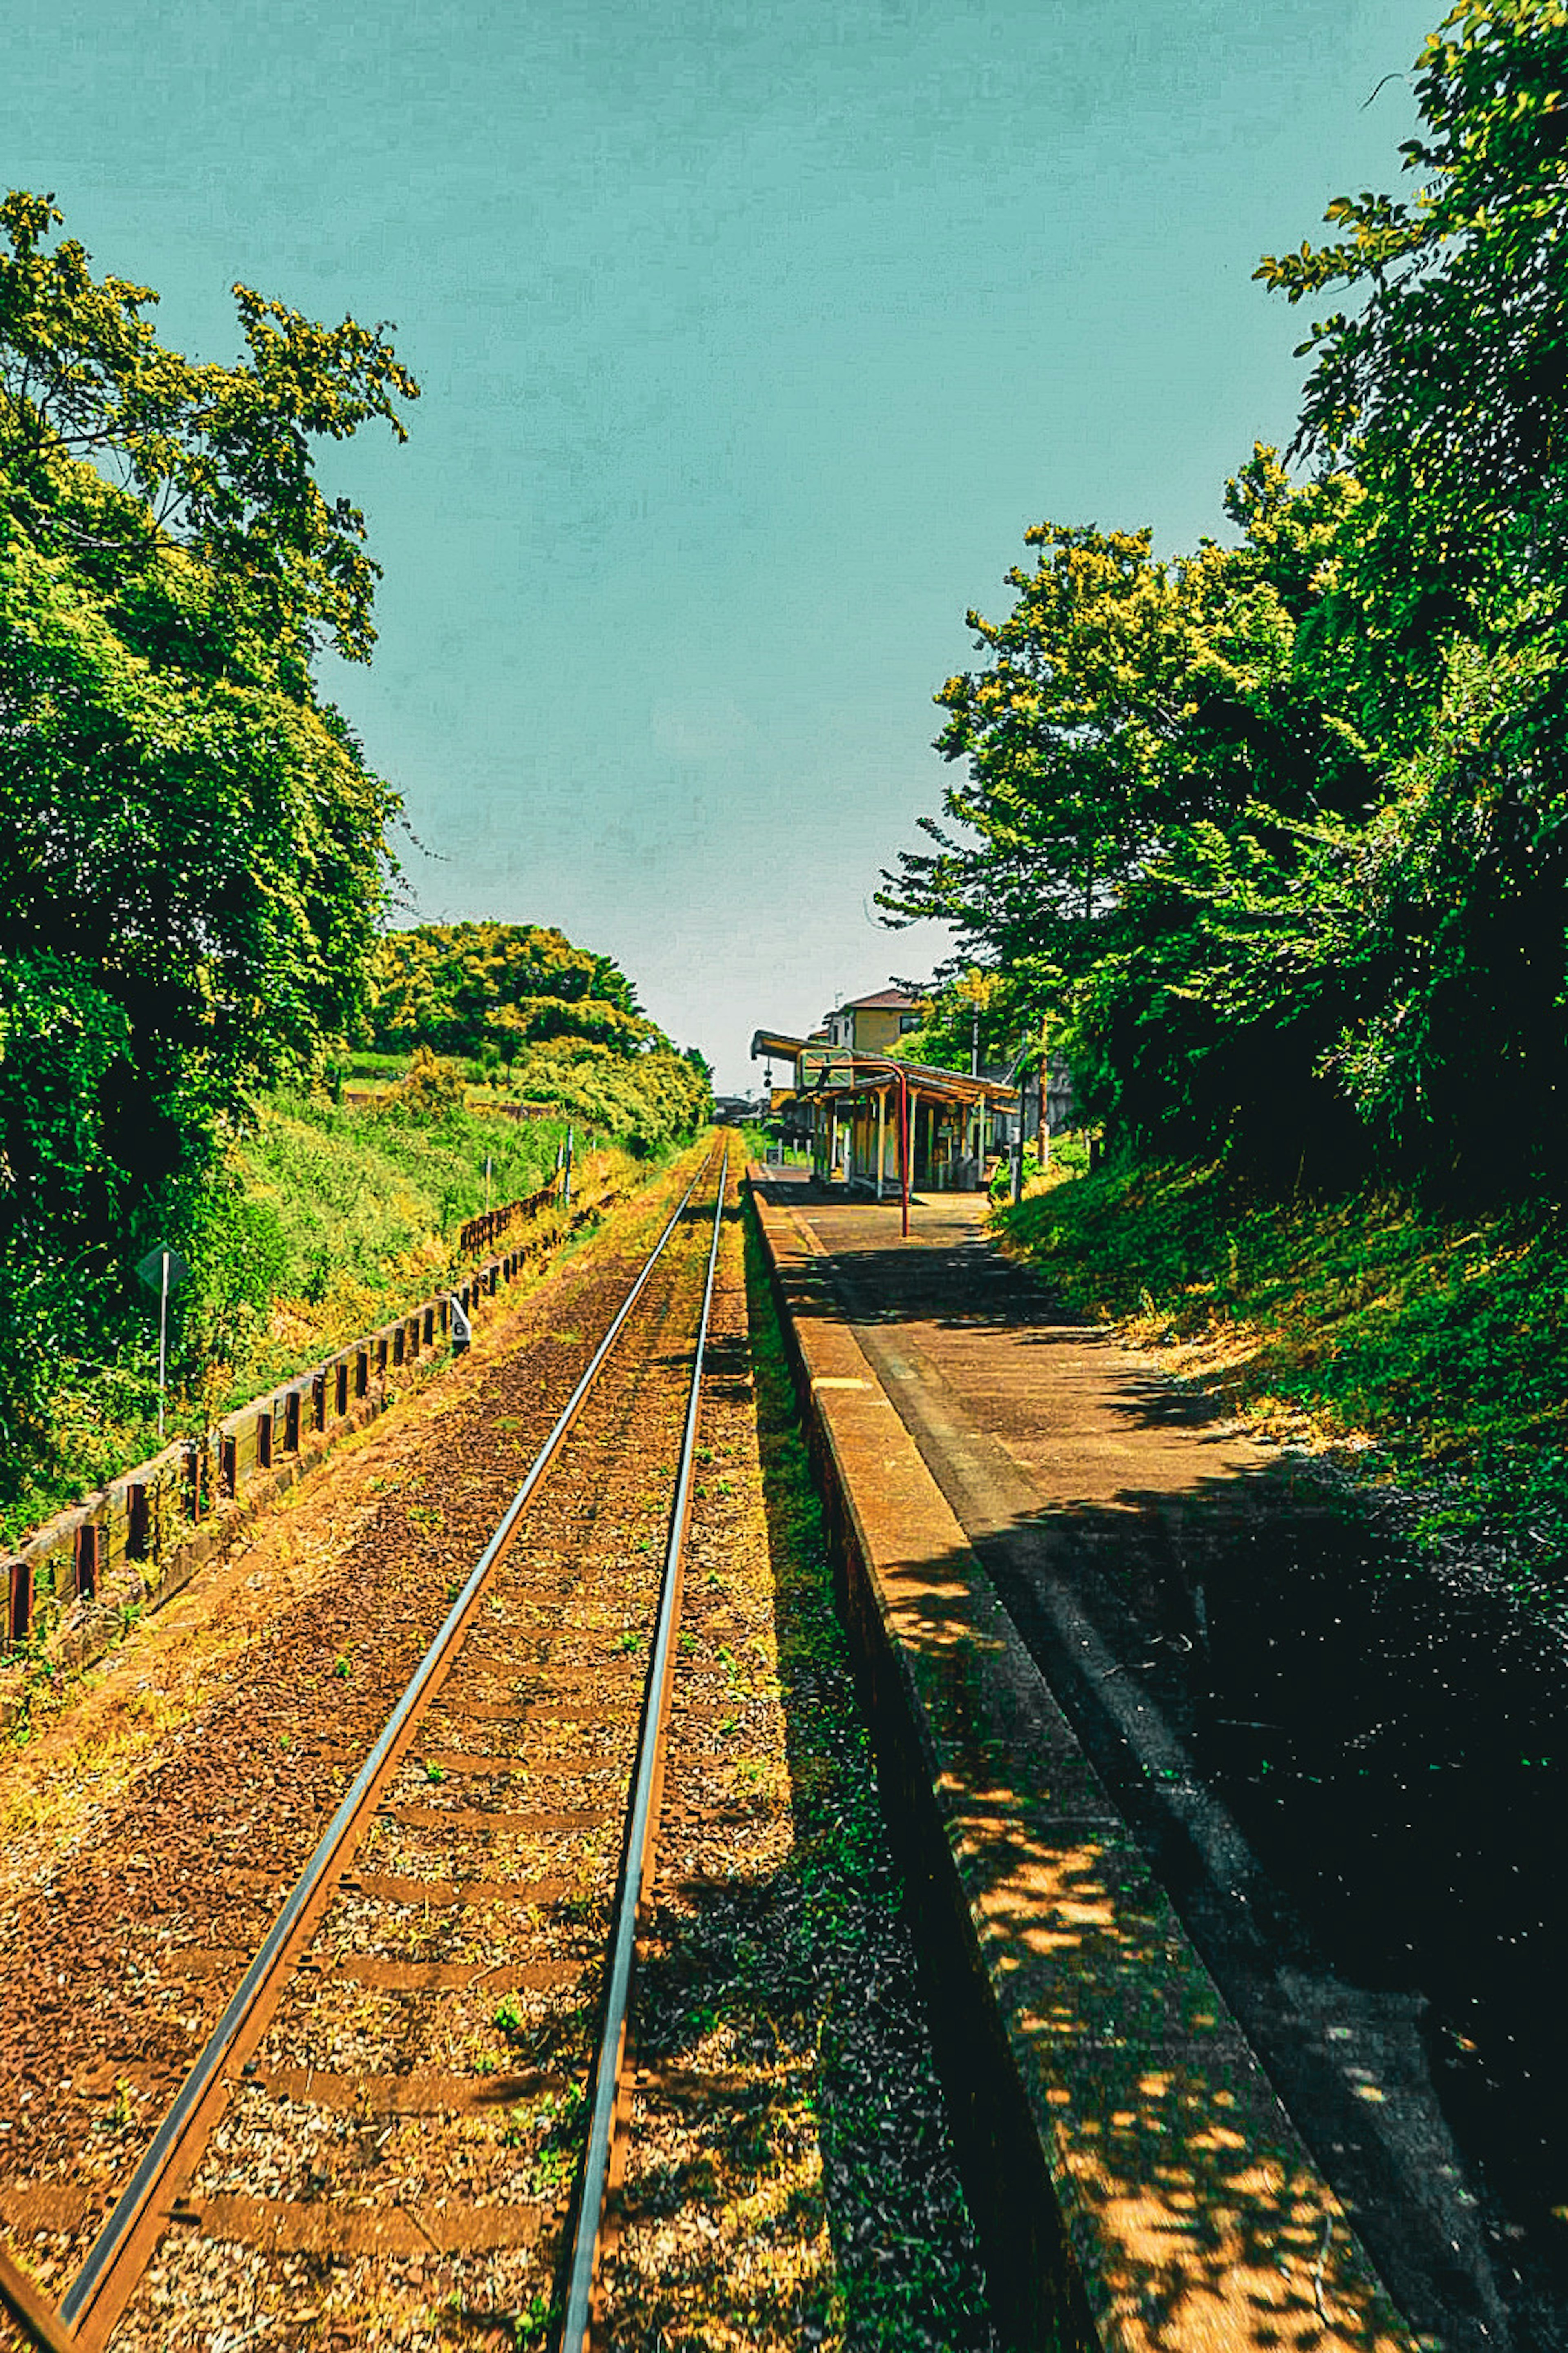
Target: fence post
column 21, row 1599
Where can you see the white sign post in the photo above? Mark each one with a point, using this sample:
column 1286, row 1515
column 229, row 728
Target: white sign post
column 162, row 1270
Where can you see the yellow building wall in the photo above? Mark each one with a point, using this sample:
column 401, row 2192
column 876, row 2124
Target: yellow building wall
column 876, row 1029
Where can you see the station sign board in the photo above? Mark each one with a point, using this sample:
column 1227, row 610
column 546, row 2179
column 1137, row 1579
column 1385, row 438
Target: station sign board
column 832, row 1066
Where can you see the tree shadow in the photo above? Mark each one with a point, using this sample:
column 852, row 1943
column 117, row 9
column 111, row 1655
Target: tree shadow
column 1386, row 1732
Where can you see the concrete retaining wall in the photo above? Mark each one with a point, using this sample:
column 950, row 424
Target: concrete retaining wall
column 1133, row 2178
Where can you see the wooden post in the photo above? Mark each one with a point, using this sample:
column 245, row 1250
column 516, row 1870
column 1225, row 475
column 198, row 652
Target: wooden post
column 881, row 1136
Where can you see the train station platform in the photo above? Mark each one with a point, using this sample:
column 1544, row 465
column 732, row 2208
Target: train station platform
column 1186, row 2120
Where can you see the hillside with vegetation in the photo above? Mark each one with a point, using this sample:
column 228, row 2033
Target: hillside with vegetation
column 196, row 879
column 537, row 1020
column 1270, row 838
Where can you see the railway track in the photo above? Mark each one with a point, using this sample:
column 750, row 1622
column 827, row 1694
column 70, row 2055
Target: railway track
column 423, row 2055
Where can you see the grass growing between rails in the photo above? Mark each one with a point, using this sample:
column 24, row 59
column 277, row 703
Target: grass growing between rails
column 1433, row 1349
column 325, row 1222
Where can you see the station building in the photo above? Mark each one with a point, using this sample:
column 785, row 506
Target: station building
column 849, row 1098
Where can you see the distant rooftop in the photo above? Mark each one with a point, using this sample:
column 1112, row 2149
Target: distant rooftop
column 895, row 1000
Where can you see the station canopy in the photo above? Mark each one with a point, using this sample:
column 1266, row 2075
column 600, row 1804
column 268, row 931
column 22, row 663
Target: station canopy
column 774, row 1043
column 836, row 1072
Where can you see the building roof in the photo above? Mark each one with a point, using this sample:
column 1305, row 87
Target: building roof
column 864, row 1073
column 844, row 1072
column 892, row 1000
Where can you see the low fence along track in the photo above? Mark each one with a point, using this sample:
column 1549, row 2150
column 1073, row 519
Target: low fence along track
column 456, row 1946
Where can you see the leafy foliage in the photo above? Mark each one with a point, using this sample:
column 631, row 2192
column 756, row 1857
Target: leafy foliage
column 428, row 1089
column 193, row 862
column 1156, row 757
column 649, row 1102
column 464, row 989
column 564, row 1022
column 973, row 1008
column 1273, row 833
column 318, row 1222
column 1450, row 381
column 217, row 459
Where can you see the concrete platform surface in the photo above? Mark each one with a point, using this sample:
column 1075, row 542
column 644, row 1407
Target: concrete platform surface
column 1240, row 2131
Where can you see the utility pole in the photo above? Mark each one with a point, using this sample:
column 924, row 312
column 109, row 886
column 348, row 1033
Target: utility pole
column 1044, row 1155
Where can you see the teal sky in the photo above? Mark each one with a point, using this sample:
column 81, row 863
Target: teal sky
column 752, row 340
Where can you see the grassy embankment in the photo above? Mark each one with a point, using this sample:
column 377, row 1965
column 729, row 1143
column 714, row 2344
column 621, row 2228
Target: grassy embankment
column 334, row 1219
column 639, row 1098
column 1434, row 1351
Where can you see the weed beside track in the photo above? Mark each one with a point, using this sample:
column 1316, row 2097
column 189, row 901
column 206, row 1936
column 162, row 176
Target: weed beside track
column 790, row 2179
column 1422, row 1348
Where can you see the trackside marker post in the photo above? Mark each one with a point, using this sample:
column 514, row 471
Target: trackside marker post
column 162, row 1270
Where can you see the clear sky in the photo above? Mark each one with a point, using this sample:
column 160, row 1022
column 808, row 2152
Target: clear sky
column 752, row 339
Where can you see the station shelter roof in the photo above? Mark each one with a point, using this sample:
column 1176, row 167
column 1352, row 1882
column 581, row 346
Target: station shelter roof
column 774, row 1041
column 835, row 1072
column 846, row 1073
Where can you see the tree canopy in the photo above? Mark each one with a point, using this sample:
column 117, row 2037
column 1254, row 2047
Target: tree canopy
column 193, row 849
column 466, row 988
column 216, row 460
column 1447, row 385
column 565, row 1021
column 1278, row 831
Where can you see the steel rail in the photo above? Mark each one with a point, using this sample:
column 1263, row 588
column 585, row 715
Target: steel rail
column 32, row 2312
column 102, row 2267
column 635, row 1868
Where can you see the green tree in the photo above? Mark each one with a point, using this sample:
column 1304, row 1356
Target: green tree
column 193, row 857
column 1452, row 902
column 1153, row 753
column 565, row 1019
column 1281, row 828
column 461, row 988
column 219, row 459
column 1447, row 383
column 1125, row 698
